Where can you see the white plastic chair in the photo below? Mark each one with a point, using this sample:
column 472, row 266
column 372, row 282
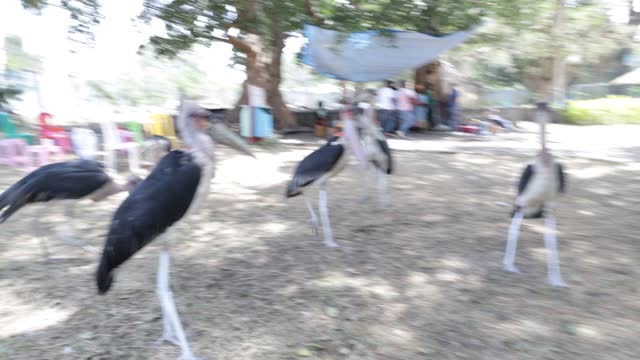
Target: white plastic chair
column 112, row 144
column 85, row 143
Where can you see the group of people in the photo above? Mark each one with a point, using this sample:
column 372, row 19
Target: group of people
column 401, row 108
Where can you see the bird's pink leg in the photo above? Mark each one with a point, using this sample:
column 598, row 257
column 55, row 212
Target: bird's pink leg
column 382, row 189
column 367, row 186
column 512, row 243
column 324, row 216
column 67, row 234
column 172, row 327
column 553, row 263
column 314, row 219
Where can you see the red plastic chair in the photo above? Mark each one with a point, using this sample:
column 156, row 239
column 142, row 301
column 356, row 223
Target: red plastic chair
column 55, row 133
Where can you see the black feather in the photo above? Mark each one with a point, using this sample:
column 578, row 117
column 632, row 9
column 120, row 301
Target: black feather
column 562, row 179
column 387, row 151
column 58, row 181
column 154, row 205
column 316, row 164
column 525, row 178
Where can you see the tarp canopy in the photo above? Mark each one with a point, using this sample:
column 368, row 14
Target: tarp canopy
column 630, row 78
column 372, row 55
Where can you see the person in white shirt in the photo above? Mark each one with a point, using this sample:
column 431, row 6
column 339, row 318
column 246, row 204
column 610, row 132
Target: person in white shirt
column 387, row 107
column 407, row 99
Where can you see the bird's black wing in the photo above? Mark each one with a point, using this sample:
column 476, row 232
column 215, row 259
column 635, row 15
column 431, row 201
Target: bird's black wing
column 314, row 166
column 387, row 151
column 58, row 181
column 562, row 179
column 525, row 178
column 153, row 206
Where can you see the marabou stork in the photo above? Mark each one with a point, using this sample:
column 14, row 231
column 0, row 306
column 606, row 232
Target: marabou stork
column 539, row 186
column 377, row 149
column 177, row 186
column 320, row 166
column 71, row 180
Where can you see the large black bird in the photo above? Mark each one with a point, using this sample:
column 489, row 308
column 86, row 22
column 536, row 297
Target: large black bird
column 540, row 184
column 320, row 166
column 377, row 150
column 72, row 180
column 176, row 187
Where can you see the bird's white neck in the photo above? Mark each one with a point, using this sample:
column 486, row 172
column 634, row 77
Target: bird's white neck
column 543, row 135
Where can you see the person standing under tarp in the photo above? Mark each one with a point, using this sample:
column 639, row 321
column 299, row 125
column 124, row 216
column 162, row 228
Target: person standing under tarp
column 422, row 106
column 452, row 108
column 406, row 109
column 387, row 107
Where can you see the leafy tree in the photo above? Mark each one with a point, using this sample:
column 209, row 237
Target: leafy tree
column 84, row 15
column 17, row 62
column 8, row 93
column 17, row 59
column 258, row 29
column 525, row 55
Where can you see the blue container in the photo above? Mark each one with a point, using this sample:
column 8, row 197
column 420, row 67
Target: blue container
column 256, row 122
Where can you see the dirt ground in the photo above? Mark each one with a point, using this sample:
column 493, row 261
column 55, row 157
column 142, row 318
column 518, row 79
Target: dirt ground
column 419, row 280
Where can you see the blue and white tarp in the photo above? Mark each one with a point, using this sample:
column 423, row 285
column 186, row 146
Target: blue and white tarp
column 369, row 56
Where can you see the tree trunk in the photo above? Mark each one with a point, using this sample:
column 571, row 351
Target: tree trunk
column 233, row 115
column 421, row 75
column 283, row 118
column 432, row 75
column 263, row 70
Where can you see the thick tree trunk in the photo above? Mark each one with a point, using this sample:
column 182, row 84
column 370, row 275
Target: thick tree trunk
column 233, row 115
column 263, row 70
column 432, row 76
column 421, row 75
column 283, row 118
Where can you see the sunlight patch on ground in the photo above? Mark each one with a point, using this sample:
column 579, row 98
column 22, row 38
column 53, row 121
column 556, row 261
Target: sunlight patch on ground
column 525, row 327
column 474, row 160
column 590, row 172
column 26, row 247
column 455, row 263
column 419, row 286
column 588, row 331
column 601, row 191
column 18, row 317
column 273, row 227
column 540, row 253
column 394, row 334
column 377, row 286
column 249, row 172
column 446, row 275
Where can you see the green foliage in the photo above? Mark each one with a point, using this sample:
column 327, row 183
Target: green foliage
column 19, row 60
column 7, row 94
column 190, row 23
column 607, row 111
column 156, row 81
column 507, row 52
column 84, row 14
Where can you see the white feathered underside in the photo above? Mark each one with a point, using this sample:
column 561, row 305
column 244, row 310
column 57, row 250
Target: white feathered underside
column 202, row 150
column 371, row 135
column 203, row 156
column 542, row 187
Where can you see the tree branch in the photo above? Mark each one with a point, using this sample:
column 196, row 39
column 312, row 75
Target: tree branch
column 308, row 8
column 240, row 45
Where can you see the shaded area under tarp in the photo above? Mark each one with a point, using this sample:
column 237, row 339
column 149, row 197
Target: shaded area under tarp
column 370, row 56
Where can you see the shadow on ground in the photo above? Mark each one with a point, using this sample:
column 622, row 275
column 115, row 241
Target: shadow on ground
column 419, row 280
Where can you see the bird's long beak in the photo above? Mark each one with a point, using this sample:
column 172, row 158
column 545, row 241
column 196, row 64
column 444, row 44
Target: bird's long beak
column 221, row 134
